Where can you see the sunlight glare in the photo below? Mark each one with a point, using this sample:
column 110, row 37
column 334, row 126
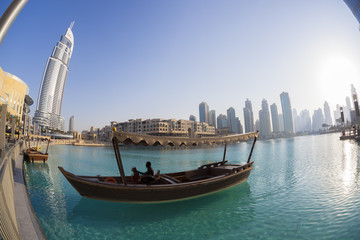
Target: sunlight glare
column 337, row 73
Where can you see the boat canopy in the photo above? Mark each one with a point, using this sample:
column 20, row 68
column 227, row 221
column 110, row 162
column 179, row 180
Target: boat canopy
column 146, row 140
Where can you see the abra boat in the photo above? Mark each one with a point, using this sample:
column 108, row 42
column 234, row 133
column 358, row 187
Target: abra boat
column 33, row 153
column 205, row 179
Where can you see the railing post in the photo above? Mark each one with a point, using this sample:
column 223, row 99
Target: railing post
column 2, row 129
column 12, row 137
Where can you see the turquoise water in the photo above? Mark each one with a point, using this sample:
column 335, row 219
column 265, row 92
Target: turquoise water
column 300, row 188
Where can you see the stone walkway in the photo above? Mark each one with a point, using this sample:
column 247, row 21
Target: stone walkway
column 28, row 224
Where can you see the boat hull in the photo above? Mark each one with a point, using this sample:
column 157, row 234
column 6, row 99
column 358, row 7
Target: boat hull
column 35, row 156
column 91, row 187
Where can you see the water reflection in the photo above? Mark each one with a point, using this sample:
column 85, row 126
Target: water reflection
column 129, row 213
column 350, row 159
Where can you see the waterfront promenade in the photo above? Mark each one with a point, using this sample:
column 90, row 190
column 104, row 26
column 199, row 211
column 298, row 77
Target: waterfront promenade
column 18, row 220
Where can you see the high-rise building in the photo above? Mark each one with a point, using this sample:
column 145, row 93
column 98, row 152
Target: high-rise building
column 327, row 113
column 48, row 109
column 296, row 119
column 257, row 125
column 353, row 90
column 212, row 118
column 239, row 127
column 71, row 124
column 287, row 113
column 347, row 110
column 274, row 118
column 281, row 122
column 337, row 116
column 356, row 103
column 317, row 120
column 221, row 121
column 192, row 118
column 305, row 121
column 231, row 117
column 248, row 116
column 264, row 118
column 204, row 112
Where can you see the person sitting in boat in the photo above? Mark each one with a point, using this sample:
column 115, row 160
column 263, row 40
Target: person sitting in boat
column 136, row 176
column 149, row 175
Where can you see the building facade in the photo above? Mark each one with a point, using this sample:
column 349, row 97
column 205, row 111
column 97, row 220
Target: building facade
column 222, row 121
column 231, row 118
column 248, row 117
column 192, row 118
column 71, row 124
column 274, row 118
column 204, row 112
column 170, row 127
column 287, row 113
column 317, row 120
column 327, row 113
column 264, row 118
column 48, row 109
column 12, row 92
column 212, row 118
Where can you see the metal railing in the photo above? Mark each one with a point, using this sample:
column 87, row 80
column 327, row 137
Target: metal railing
column 8, row 223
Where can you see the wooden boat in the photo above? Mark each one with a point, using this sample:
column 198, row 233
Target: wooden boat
column 206, row 179
column 33, row 154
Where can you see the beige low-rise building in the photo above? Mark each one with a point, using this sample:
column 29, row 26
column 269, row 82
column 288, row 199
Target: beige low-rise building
column 171, row 127
column 12, row 92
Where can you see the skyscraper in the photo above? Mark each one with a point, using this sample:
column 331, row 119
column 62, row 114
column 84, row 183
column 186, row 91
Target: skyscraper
column 287, row 113
column 337, row 117
column 305, row 121
column 328, row 119
column 71, row 124
column 232, row 124
column 281, row 122
column 274, row 118
column 296, row 119
column 347, row 110
column 356, row 103
column 48, row 109
column 204, row 112
column 212, row 118
column 239, row 127
column 317, row 120
column 248, row 117
column 192, row 118
column 264, row 118
column 221, row 121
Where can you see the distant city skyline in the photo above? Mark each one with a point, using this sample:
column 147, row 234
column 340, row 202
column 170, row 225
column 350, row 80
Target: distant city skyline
column 184, row 52
column 270, row 122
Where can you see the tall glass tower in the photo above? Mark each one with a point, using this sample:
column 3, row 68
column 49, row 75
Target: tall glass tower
column 231, row 117
column 204, row 112
column 48, row 109
column 248, row 117
column 287, row 113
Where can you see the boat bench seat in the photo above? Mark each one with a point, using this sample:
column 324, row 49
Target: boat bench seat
column 197, row 178
column 169, row 179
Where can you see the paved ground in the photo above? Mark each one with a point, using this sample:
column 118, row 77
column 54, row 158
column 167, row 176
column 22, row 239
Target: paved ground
column 27, row 222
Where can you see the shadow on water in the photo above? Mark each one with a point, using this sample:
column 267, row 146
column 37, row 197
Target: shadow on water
column 105, row 211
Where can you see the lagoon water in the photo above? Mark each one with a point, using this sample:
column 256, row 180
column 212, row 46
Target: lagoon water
column 300, row 188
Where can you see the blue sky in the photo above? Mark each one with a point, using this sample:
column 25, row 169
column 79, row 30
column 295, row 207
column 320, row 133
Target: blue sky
column 160, row 59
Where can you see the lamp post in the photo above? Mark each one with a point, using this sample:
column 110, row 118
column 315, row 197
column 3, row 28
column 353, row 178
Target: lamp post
column 9, row 17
